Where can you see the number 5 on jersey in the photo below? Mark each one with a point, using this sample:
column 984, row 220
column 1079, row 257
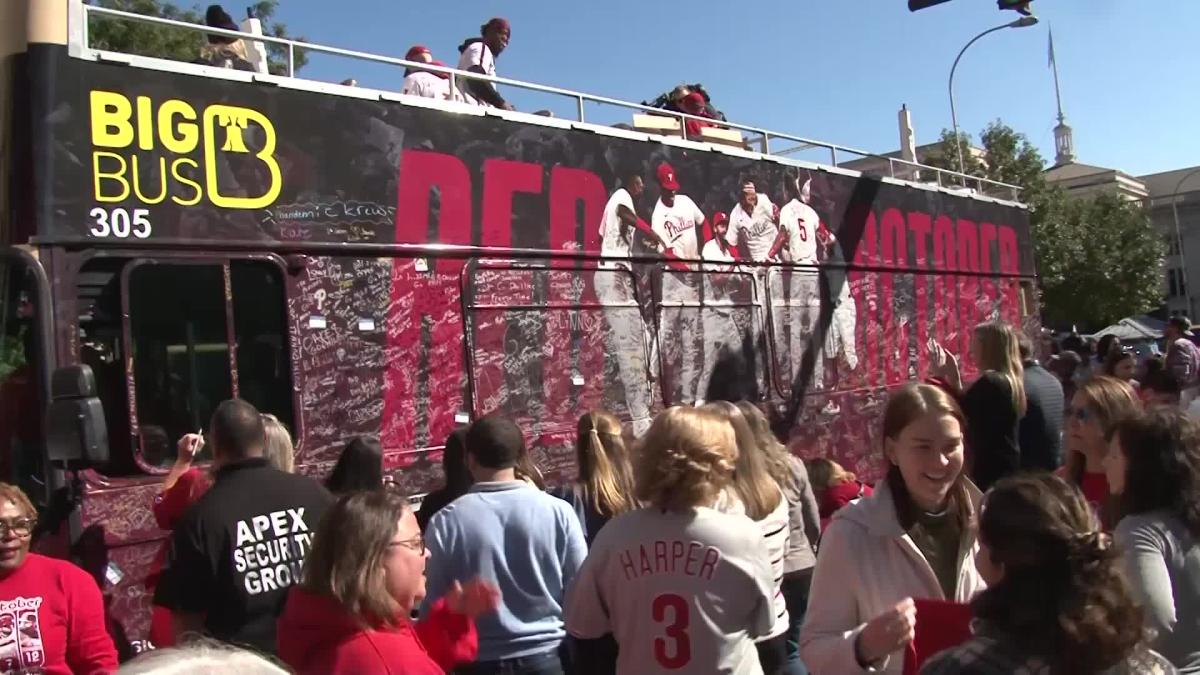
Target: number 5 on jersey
column 675, row 649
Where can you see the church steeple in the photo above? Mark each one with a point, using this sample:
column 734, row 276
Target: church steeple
column 1064, row 143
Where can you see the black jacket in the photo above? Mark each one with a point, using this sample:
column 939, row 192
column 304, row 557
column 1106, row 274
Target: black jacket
column 1041, row 428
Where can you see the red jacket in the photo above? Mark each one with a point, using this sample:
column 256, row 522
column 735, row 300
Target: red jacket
column 52, row 621
column 317, row 635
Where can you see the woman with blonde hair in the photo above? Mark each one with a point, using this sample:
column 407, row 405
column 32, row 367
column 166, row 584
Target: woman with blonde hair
column 754, row 492
column 803, row 531
column 604, row 487
column 833, row 486
column 994, row 404
column 913, row 538
column 677, row 584
column 278, row 450
column 1094, row 411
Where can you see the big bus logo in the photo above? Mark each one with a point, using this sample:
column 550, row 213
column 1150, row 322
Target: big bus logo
column 174, row 132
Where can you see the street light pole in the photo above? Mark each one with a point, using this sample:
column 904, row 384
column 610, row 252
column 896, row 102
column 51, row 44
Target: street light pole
column 1187, row 289
column 1022, row 22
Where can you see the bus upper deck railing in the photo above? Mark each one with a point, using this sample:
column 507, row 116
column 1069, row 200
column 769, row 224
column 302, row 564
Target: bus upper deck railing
column 896, row 168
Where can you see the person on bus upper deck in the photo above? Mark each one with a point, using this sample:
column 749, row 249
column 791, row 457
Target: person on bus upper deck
column 425, row 83
column 1040, row 430
column 236, row 552
column 754, row 223
column 510, row 533
column 223, row 50
column 478, row 55
column 993, row 404
column 51, row 612
column 693, row 104
column 913, row 538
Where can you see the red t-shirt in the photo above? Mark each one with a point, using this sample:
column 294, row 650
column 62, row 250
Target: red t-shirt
column 1095, row 489
column 52, row 621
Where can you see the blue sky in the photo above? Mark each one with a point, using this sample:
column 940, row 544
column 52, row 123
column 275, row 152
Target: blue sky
column 835, row 70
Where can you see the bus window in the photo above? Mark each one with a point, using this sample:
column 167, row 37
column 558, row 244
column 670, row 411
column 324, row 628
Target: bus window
column 548, row 345
column 710, row 336
column 179, row 341
column 21, row 404
column 264, row 367
column 198, row 332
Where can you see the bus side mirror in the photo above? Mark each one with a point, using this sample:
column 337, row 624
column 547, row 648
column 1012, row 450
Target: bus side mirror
column 76, row 433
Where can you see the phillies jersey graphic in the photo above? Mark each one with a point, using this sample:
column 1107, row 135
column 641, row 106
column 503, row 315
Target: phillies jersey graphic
column 21, row 649
column 676, row 224
column 757, row 229
column 800, row 222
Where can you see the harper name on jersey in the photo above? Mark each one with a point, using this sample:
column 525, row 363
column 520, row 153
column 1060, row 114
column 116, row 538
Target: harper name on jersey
column 673, row 557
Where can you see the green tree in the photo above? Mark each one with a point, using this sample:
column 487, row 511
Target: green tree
column 180, row 44
column 1098, row 258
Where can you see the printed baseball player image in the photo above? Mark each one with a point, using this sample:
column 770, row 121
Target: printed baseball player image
column 677, row 221
column 626, row 337
column 753, row 224
column 722, row 328
column 808, row 242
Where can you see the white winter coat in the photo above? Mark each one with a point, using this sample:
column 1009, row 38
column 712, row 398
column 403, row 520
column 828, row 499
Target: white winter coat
column 865, row 565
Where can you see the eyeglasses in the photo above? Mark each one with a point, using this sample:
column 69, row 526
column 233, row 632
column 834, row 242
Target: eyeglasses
column 18, row 526
column 416, row 544
column 1081, row 414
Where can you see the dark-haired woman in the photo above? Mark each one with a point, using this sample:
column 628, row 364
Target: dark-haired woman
column 455, row 474
column 1056, row 600
column 1096, row 406
column 1121, row 363
column 604, row 488
column 1153, row 469
column 359, row 469
column 913, row 538
column 362, row 579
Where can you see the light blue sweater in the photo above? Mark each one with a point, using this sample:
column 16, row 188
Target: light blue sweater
column 528, row 543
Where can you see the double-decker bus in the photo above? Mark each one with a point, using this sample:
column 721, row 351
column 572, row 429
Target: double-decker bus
column 359, row 262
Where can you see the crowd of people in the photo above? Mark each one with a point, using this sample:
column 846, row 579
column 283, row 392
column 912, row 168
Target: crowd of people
column 703, row 546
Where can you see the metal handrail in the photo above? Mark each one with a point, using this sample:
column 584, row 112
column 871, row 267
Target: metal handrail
column 943, row 177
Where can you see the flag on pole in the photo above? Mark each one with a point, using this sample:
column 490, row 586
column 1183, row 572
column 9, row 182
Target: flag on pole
column 1050, row 63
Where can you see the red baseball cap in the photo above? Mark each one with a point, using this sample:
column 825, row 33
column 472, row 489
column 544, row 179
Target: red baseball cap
column 719, row 217
column 499, row 23
column 416, row 51
column 666, row 176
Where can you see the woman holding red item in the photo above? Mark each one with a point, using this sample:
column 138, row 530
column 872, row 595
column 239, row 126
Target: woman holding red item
column 181, row 488
column 833, row 486
column 1095, row 409
column 362, row 579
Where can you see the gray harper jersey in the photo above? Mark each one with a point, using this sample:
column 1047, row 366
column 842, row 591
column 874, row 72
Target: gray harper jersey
column 682, row 593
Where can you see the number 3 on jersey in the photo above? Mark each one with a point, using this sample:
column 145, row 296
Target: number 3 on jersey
column 675, row 649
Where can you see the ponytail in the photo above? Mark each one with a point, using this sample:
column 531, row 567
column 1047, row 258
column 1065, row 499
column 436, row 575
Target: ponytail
column 604, row 472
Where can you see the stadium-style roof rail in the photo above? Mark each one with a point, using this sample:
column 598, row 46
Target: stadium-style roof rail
column 768, row 141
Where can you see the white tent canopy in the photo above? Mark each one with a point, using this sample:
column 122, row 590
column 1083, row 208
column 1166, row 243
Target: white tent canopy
column 1134, row 329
